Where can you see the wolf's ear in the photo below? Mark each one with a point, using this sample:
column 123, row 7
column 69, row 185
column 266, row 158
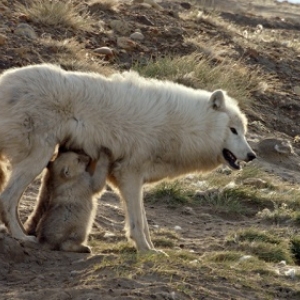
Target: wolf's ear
column 217, row 100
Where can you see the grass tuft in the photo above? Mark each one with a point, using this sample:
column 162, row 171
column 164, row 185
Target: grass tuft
column 173, row 193
column 202, row 73
column 295, row 248
column 57, row 14
column 255, row 235
column 266, row 246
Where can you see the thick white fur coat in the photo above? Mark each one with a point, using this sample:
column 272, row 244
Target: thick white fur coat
column 152, row 129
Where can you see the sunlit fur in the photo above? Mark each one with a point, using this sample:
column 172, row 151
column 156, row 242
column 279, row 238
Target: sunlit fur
column 153, row 129
column 67, row 203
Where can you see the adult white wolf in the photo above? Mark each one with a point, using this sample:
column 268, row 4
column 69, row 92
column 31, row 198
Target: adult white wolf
column 153, row 129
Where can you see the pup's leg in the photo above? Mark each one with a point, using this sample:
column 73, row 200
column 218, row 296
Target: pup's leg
column 23, row 173
column 100, row 173
column 130, row 187
column 43, row 203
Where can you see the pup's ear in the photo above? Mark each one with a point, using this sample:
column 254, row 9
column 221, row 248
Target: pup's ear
column 91, row 167
column 65, row 172
column 217, row 100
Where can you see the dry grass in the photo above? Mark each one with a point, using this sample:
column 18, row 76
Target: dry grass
column 57, row 14
column 71, row 55
column 200, row 72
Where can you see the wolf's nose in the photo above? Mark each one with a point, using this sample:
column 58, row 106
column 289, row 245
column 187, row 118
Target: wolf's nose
column 251, row 156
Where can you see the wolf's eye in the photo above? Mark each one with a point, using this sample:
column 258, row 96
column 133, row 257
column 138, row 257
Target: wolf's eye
column 233, row 130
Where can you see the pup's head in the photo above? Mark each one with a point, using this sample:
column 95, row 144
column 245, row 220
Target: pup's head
column 235, row 147
column 70, row 164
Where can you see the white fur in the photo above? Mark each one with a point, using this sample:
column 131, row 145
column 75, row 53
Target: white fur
column 153, row 129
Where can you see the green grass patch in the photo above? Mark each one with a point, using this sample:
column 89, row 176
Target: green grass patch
column 253, row 234
column 173, row 193
column 295, row 248
column 264, row 245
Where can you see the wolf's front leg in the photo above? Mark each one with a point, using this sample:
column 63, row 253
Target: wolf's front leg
column 23, row 173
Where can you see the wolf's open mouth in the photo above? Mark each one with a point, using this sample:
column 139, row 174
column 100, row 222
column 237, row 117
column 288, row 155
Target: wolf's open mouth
column 231, row 159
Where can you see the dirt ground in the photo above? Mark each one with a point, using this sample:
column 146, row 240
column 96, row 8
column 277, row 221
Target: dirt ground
column 27, row 272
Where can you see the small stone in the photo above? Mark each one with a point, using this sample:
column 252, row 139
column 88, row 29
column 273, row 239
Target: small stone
column 284, row 147
column 125, row 43
column 137, row 36
column 245, row 257
column 177, row 228
column 154, row 4
column 290, row 273
column 121, row 27
column 26, row 30
column 186, row 5
column 297, row 90
column 144, row 20
column 187, row 210
column 109, row 235
column 75, row 272
column 105, row 51
column 3, row 39
column 282, row 263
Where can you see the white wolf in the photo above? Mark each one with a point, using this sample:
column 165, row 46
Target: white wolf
column 153, row 129
column 67, row 203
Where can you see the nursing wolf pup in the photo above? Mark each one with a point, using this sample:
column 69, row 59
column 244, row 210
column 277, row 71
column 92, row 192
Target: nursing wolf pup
column 67, row 204
column 154, row 130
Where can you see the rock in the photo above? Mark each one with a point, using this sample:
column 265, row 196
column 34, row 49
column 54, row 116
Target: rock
column 26, row 30
column 126, row 43
column 121, row 27
column 186, row 5
column 284, row 147
column 297, row 90
column 259, row 28
column 3, row 39
column 144, row 20
column 151, row 3
column 187, row 210
column 109, row 235
column 271, row 146
column 137, row 36
column 154, row 4
column 108, row 52
column 177, row 228
column 290, row 273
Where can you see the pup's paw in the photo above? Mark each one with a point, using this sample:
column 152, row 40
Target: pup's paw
column 30, row 241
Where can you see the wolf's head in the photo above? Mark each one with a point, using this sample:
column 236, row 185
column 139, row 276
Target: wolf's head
column 235, row 146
